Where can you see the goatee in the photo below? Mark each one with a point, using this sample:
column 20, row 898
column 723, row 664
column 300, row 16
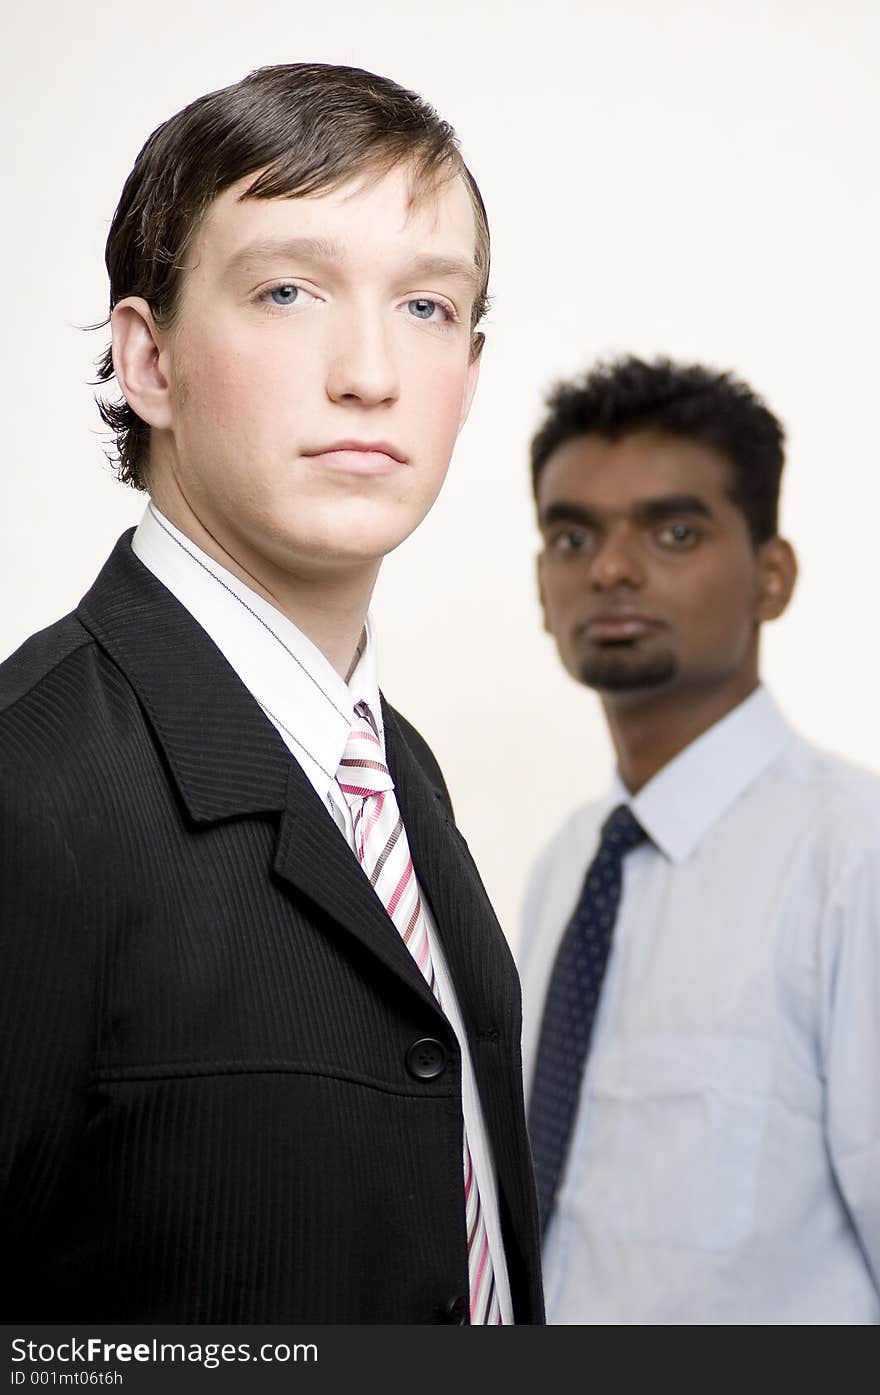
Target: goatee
column 616, row 671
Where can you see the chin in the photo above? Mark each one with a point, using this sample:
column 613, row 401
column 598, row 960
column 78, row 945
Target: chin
column 624, row 673
column 353, row 535
column 362, row 550
column 346, row 540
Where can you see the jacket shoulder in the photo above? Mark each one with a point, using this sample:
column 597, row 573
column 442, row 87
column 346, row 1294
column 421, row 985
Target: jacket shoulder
column 38, row 658
column 65, row 711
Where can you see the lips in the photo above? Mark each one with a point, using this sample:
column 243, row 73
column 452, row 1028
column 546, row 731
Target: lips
column 356, row 447
column 618, row 629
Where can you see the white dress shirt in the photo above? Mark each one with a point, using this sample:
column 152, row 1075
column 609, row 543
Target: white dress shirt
column 725, row 1157
column 312, row 708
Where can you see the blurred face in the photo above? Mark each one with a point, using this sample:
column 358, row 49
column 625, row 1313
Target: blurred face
column 319, row 370
column 649, row 579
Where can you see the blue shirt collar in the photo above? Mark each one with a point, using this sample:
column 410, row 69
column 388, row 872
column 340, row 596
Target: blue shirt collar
column 683, row 800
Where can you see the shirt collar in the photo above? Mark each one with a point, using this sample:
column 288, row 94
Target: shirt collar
column 299, row 690
column 683, row 800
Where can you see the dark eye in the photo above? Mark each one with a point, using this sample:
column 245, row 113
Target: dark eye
column 568, row 543
column 677, row 535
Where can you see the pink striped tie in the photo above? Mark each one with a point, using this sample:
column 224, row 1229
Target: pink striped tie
column 383, row 852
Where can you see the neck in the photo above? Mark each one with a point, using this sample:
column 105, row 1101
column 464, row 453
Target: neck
column 328, row 603
column 649, row 730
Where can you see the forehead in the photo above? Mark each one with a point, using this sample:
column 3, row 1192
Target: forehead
column 613, row 475
column 372, row 218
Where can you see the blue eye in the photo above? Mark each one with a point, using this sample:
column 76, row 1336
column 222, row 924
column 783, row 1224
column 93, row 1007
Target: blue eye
column 284, row 295
column 423, row 309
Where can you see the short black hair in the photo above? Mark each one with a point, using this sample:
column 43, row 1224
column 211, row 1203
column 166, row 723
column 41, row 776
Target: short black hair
column 623, row 395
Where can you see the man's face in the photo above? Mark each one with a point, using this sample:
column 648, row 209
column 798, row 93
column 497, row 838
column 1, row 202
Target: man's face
column 319, row 370
column 649, row 578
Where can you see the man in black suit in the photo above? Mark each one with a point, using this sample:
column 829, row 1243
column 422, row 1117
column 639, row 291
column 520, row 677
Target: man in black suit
column 262, row 1028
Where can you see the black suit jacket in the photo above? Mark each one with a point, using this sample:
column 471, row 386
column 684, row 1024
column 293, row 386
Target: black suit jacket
column 211, row 1112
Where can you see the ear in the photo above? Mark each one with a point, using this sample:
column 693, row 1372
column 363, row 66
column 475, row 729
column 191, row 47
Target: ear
column 473, row 374
column 137, row 348
column 776, row 578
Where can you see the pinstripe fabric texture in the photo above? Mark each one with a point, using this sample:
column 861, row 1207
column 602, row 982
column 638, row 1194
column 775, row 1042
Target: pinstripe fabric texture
column 206, row 1114
column 383, row 851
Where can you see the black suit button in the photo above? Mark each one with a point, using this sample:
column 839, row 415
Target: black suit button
column 426, row 1059
column 456, row 1311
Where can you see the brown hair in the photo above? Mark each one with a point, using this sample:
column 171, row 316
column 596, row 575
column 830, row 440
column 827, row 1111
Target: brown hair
column 302, row 128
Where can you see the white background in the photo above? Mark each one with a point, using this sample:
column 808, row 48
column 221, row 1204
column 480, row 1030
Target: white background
column 695, row 177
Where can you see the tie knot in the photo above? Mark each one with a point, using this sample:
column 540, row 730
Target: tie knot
column 621, row 831
column 362, row 770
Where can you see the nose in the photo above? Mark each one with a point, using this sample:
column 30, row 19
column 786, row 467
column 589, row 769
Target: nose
column 363, row 369
column 617, row 562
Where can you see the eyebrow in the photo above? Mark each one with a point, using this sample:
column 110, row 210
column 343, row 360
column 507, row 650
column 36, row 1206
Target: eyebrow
column 325, row 249
column 446, row 268
column 269, row 249
column 642, row 511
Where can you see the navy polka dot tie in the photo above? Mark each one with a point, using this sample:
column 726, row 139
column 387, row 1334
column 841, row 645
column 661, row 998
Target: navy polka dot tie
column 570, row 1007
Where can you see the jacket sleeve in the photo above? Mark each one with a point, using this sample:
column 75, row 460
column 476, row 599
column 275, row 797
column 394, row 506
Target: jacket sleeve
column 46, row 1012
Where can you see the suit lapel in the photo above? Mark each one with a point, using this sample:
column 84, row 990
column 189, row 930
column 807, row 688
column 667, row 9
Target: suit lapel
column 313, row 856
column 225, row 757
column 472, row 939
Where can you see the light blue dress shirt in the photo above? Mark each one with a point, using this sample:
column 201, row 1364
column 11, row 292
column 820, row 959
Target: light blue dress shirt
column 725, row 1159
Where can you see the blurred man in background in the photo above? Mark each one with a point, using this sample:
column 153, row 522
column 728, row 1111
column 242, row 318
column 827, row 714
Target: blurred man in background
column 700, row 949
